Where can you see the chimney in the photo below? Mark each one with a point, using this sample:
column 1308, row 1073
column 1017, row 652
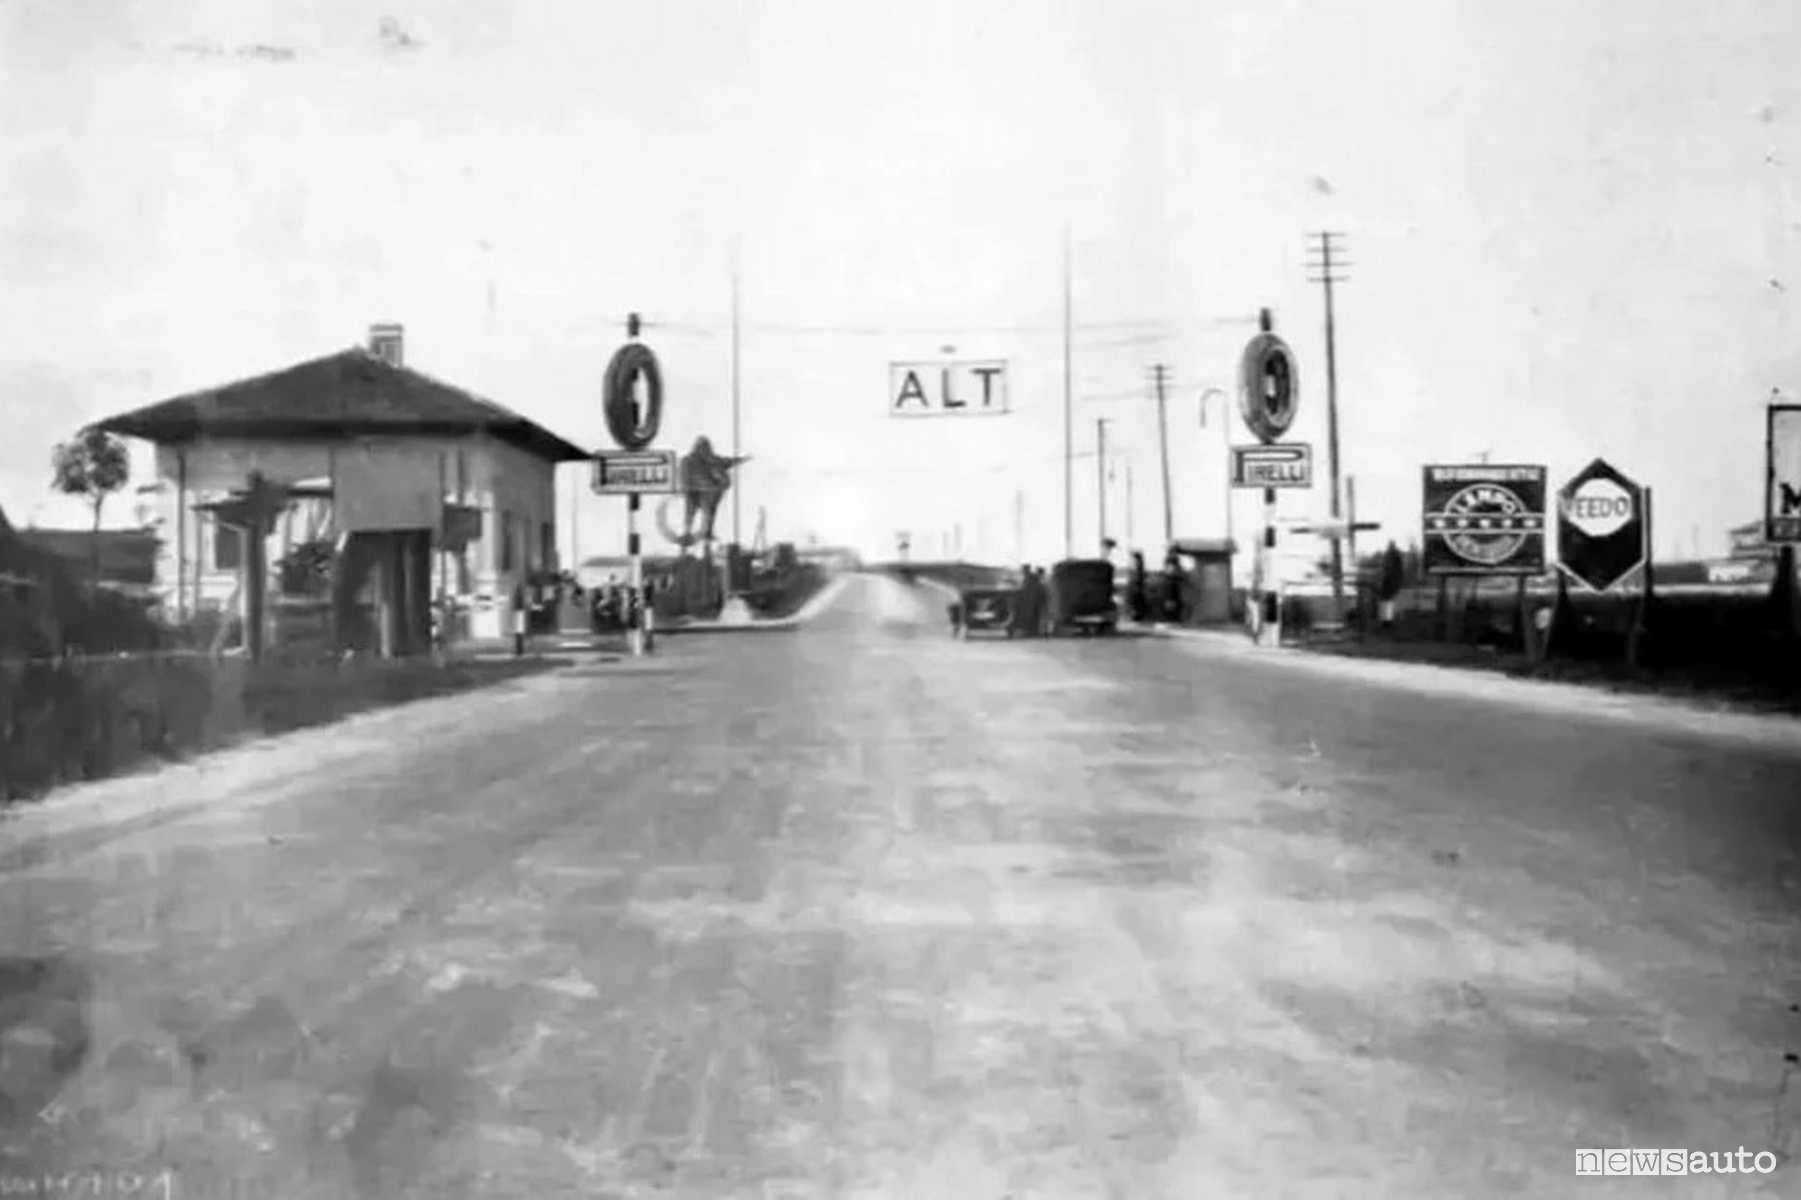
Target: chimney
column 388, row 342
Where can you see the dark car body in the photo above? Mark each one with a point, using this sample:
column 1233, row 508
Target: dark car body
column 1082, row 597
column 986, row 610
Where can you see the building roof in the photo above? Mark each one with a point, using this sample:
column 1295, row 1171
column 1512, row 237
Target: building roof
column 347, row 394
column 126, row 555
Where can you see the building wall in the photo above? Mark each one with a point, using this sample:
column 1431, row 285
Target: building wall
column 510, row 486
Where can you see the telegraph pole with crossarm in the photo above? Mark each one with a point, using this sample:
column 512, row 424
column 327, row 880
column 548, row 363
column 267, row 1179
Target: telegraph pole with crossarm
column 1326, row 266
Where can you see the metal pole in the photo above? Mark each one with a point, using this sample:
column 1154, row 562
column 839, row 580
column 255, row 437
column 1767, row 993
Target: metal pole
column 1100, row 472
column 635, row 631
column 1169, row 523
column 1225, row 435
column 1350, row 537
column 1069, row 428
column 1019, row 524
column 1271, row 594
column 181, row 538
column 736, row 422
column 1327, row 276
column 1129, row 538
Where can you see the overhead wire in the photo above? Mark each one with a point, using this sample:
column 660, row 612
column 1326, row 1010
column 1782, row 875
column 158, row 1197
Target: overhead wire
column 1128, row 332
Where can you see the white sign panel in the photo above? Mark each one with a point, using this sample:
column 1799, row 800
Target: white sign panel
column 1600, row 507
column 1782, row 509
column 948, row 388
column 623, row 472
column 1278, row 465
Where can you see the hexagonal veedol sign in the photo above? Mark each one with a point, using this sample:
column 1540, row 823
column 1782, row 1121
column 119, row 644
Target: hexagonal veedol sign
column 1600, row 527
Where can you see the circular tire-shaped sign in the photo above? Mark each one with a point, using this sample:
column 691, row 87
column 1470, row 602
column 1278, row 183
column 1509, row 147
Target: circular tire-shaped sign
column 634, row 428
column 1268, row 387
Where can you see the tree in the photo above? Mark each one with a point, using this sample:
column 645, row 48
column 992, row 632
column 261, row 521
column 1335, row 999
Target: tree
column 93, row 464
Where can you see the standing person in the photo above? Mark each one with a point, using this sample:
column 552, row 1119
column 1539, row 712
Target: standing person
column 1041, row 604
column 1172, row 588
column 1019, row 619
column 1138, row 603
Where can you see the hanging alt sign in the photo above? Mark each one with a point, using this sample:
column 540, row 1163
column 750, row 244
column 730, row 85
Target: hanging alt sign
column 1484, row 520
column 965, row 388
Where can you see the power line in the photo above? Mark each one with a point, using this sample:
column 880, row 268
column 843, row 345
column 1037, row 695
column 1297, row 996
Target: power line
column 925, row 470
column 1130, row 332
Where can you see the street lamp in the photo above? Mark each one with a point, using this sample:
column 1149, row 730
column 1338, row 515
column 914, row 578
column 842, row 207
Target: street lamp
column 1225, row 429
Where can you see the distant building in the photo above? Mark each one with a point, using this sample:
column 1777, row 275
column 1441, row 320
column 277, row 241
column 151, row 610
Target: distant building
column 418, row 488
column 832, row 558
column 1747, row 542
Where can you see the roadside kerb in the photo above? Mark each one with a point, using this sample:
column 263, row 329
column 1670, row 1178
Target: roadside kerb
column 1451, row 680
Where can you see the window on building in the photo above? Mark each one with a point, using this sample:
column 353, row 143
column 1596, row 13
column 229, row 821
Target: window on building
column 506, row 540
column 228, row 546
column 547, row 542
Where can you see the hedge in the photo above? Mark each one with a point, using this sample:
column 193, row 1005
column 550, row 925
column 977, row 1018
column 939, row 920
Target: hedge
column 67, row 720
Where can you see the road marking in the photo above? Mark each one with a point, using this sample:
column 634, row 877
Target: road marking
column 700, row 1123
column 634, row 1126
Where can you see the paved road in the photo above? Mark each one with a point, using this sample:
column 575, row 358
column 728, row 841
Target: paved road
column 858, row 911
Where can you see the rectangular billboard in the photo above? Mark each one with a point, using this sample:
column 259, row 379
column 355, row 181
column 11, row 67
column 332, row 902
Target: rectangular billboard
column 948, row 388
column 1782, row 489
column 1479, row 519
column 623, row 472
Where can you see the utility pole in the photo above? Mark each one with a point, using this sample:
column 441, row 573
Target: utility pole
column 736, row 426
column 1129, row 540
column 1019, row 524
column 1225, row 426
column 1069, row 419
column 635, row 634
column 1326, row 265
column 1160, row 378
column 1100, row 472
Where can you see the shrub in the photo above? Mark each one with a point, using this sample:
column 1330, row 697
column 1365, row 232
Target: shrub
column 66, row 720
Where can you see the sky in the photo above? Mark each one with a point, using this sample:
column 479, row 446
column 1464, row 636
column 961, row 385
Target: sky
column 1571, row 232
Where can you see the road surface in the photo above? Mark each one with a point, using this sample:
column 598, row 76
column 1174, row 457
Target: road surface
column 860, row 911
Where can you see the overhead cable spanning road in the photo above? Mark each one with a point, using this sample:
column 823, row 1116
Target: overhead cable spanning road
column 871, row 912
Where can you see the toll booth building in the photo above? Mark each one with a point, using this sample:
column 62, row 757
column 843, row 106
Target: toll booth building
column 370, row 489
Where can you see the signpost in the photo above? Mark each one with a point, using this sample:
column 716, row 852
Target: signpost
column 1601, row 528
column 1277, row 465
column 1782, row 490
column 1484, row 520
column 950, row 388
column 639, row 469
column 1782, row 516
column 1269, row 394
column 636, row 472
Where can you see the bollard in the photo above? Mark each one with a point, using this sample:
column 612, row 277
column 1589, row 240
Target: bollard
column 519, row 622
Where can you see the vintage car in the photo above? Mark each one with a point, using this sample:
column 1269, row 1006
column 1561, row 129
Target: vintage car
column 984, row 610
column 1082, row 597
